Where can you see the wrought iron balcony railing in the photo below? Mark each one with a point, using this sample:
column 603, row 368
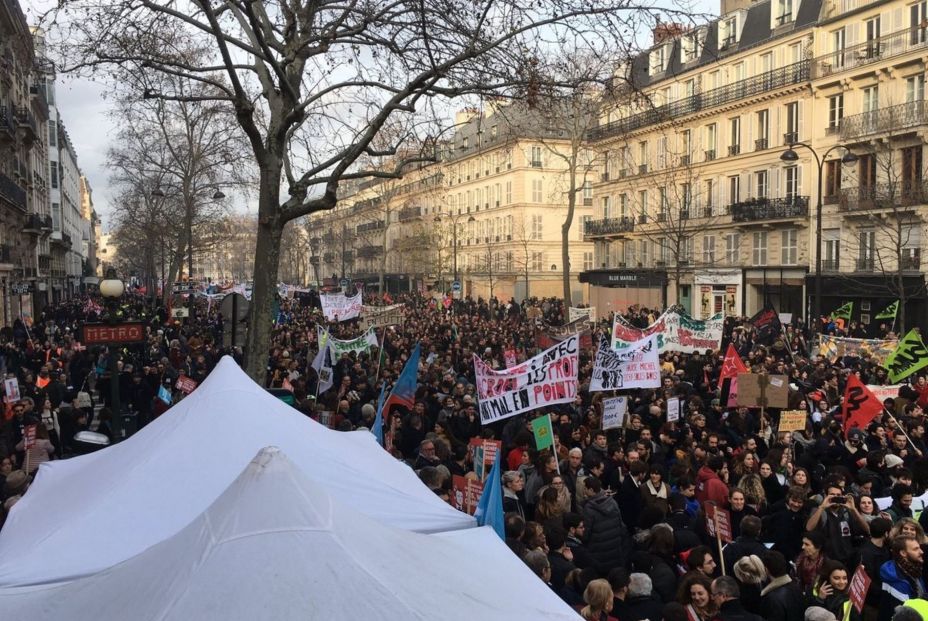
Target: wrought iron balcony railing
column 369, row 252
column 883, row 196
column 769, row 209
column 869, row 52
column 865, row 264
column 410, row 213
column 776, row 78
column 830, row 265
column 367, row 227
column 12, row 192
column 884, row 120
column 609, row 226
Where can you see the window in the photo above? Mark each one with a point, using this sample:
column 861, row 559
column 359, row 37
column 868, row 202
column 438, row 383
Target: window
column 52, row 134
column 643, row 202
column 711, row 140
column 643, row 254
column 643, row 156
column 728, row 32
column 536, row 191
column 54, row 176
column 832, row 241
column 759, row 252
column 734, row 189
column 664, row 205
column 691, row 46
column 536, row 156
column 915, row 88
column 56, row 216
column 509, row 192
column 623, row 206
column 837, row 47
column 661, row 250
column 607, row 206
column 918, row 18
column 870, row 106
column 788, row 247
column 710, row 196
column 911, row 238
column 760, row 184
column 835, row 111
column 911, row 172
column 763, row 130
column 866, row 241
column 587, row 192
column 733, row 248
column 832, row 178
column 873, row 37
column 792, row 182
column 658, row 60
column 587, row 261
column 735, row 143
column 866, row 170
column 50, row 91
column 536, row 226
column 584, row 225
column 792, row 123
column 662, row 152
column 708, row 249
column 784, row 12
column 538, row 261
column 686, row 250
column 685, row 144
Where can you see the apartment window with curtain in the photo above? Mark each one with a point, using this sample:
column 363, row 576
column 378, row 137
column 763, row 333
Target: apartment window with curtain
column 536, row 156
column 915, row 89
column 831, row 238
column 587, row 261
column 734, row 146
column 873, row 37
column 759, row 248
column 607, row 206
column 789, row 249
column 791, row 135
column 710, row 197
column 587, row 192
column 760, row 184
column 763, row 130
column 792, row 182
column 918, row 17
column 835, row 111
column 643, row 202
column 734, row 189
column 711, row 141
column 538, row 261
column 509, row 192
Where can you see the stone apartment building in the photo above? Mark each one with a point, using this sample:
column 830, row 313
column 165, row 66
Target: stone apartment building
column 702, row 202
column 488, row 214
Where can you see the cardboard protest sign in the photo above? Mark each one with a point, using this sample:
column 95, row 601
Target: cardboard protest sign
column 762, row 391
column 185, row 384
column 860, row 584
column 547, row 379
column 509, row 356
column 382, row 316
column 614, row 411
column 793, row 420
column 588, row 314
column 488, row 449
column 465, row 493
column 338, row 306
column 673, row 409
column 29, row 436
column 723, row 525
column 635, row 367
column 11, row 389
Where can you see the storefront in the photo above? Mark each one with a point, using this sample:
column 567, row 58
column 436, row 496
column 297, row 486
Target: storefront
column 617, row 289
column 718, row 291
column 870, row 295
column 781, row 287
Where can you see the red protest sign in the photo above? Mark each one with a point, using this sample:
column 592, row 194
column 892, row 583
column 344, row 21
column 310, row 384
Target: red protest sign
column 490, row 448
column 465, row 493
column 723, row 524
column 860, row 584
column 185, row 384
column 510, row 356
column 29, row 437
column 710, row 519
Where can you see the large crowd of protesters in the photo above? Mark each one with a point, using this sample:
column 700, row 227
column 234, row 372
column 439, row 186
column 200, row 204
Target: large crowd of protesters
column 613, row 521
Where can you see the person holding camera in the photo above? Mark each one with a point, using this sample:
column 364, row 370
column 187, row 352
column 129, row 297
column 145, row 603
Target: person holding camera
column 838, row 519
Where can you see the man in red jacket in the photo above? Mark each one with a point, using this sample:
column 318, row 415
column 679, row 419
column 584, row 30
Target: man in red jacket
column 709, row 486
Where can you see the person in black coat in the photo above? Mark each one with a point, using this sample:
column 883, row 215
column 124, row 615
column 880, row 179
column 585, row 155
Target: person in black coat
column 745, row 545
column 727, row 595
column 685, row 537
column 606, row 533
column 785, row 527
column 781, row 599
column 640, row 603
column 631, row 501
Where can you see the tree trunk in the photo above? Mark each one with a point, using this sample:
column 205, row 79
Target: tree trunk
column 267, row 265
column 565, row 238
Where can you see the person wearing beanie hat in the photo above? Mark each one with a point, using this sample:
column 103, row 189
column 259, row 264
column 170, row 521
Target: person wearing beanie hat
column 17, row 482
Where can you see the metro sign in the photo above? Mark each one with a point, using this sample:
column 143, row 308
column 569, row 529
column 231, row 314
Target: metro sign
column 119, row 334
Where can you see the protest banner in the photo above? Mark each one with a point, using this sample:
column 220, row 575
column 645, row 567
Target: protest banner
column 718, row 525
column 546, row 379
column 860, row 584
column 673, row 409
column 339, row 307
column 358, row 345
column 488, row 448
column 548, row 335
column 885, row 392
column 793, row 420
column 586, row 314
column 465, row 493
column 11, row 390
column 509, row 356
column 381, row 316
column 614, row 411
column 480, row 463
column 762, row 391
column 624, row 335
column 635, row 367
column 908, row 357
column 676, row 331
column 185, row 384
column 835, row 347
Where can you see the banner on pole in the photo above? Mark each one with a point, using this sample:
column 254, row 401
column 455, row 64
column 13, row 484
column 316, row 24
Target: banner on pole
column 909, row 356
column 339, row 307
column 11, row 390
column 676, row 331
column 860, row 584
column 835, row 347
column 29, row 436
column 588, row 314
column 635, row 367
column 547, row 379
column 358, row 345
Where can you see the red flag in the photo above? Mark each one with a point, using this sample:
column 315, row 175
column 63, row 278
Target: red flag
column 732, row 365
column 860, row 405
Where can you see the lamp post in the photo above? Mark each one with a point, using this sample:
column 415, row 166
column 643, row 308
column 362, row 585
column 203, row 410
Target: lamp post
column 454, row 237
column 791, row 156
column 111, row 288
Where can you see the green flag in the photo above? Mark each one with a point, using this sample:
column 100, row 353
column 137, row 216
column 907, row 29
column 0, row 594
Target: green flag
column 909, row 356
column 844, row 312
column 889, row 312
column 544, row 433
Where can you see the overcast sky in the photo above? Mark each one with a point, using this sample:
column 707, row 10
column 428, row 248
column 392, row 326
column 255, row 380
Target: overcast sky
column 83, row 108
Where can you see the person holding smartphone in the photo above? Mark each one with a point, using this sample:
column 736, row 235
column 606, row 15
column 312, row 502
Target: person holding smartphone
column 839, row 520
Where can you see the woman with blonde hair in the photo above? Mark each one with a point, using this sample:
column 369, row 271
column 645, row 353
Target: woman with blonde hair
column 598, row 597
column 750, row 573
column 909, row 528
column 753, row 487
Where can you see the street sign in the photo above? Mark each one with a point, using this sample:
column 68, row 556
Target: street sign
column 456, row 285
column 20, row 288
column 114, row 334
column 343, row 283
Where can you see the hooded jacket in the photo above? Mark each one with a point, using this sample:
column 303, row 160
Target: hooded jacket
column 606, row 533
column 709, row 487
column 897, row 589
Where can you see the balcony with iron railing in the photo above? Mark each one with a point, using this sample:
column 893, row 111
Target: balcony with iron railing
column 830, row 265
column 865, row 264
column 760, row 209
column 369, row 252
column 26, row 123
column 883, row 196
column 7, row 126
column 369, row 227
column 910, row 262
column 608, row 226
column 889, row 120
column 410, row 213
column 789, row 75
column 870, row 52
column 6, row 253
column 12, row 192
column 33, row 224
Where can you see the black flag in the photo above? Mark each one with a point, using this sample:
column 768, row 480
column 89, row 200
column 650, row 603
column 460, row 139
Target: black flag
column 767, row 326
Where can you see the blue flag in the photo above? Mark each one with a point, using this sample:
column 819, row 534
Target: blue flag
column 404, row 390
column 165, row 395
column 377, row 429
column 490, row 508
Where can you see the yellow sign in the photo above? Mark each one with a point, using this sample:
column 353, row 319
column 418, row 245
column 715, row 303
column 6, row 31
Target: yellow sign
column 793, row 420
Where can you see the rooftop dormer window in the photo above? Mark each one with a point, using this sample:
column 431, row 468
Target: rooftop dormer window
column 729, row 32
column 658, row 60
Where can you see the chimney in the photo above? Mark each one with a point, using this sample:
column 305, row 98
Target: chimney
column 667, row 32
column 464, row 115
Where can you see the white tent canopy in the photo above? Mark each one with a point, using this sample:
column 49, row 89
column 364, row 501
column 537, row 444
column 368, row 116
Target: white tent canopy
column 276, row 546
column 88, row 513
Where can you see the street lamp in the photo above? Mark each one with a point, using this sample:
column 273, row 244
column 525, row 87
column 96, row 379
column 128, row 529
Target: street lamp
column 111, row 288
column 791, row 156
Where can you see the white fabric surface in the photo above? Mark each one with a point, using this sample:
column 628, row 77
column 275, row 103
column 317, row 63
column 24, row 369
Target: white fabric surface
column 88, row 513
column 276, row 546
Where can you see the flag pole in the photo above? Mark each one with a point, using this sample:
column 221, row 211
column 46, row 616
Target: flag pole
column 902, row 430
column 379, row 352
